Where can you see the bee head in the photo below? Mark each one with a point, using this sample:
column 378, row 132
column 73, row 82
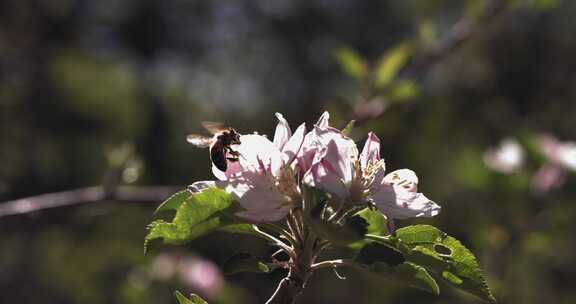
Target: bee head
column 234, row 137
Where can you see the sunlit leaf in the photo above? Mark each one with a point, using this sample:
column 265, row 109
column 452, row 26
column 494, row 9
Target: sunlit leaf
column 352, row 63
column 390, row 64
column 376, row 221
column 445, row 256
column 174, row 201
column 197, row 215
column 402, row 90
column 376, row 225
column 348, row 128
column 194, row 299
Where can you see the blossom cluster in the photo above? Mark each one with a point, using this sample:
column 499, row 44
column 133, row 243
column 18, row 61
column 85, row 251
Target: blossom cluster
column 268, row 176
column 558, row 158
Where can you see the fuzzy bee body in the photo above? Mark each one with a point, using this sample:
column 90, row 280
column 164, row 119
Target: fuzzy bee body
column 219, row 144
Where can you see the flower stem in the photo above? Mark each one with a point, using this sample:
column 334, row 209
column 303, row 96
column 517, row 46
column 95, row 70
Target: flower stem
column 282, row 232
column 336, row 263
column 289, row 250
column 287, row 291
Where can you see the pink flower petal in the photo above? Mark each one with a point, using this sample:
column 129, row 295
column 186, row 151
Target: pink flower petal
column 255, row 149
column 397, row 196
column 397, row 202
column 257, row 193
column 264, row 215
column 233, row 168
column 371, row 151
column 294, row 144
column 404, row 178
column 201, row 186
column 282, row 133
column 550, row 176
column 322, row 177
column 323, row 121
column 340, row 160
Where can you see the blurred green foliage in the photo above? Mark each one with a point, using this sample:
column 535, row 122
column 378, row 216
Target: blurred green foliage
column 78, row 78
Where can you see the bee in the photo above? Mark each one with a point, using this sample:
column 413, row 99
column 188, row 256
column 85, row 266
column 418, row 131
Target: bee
column 219, row 143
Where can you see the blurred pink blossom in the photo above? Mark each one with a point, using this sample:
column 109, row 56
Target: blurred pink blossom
column 197, row 274
column 201, row 275
column 506, row 158
column 560, row 158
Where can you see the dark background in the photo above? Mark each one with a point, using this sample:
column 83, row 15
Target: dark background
column 94, row 89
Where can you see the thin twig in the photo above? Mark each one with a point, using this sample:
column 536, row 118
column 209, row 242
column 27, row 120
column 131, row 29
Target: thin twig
column 275, row 241
column 86, row 195
column 295, row 228
column 288, row 289
column 336, row 263
column 461, row 32
column 281, row 231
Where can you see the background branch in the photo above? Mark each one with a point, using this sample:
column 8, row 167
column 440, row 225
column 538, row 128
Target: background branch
column 462, row 31
column 86, row 195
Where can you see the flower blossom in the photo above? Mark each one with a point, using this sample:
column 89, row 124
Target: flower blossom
column 263, row 180
column 560, row 158
column 333, row 164
column 506, row 158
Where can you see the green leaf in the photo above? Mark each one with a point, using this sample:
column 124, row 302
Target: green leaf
column 402, row 90
column 348, row 128
column 174, row 201
column 244, row 262
column 383, row 260
column 241, row 228
column 194, row 299
column 352, row 63
column 314, row 202
column 377, row 253
column 415, row 275
column 427, row 246
column 199, row 214
column 376, row 225
column 391, row 63
column 376, row 221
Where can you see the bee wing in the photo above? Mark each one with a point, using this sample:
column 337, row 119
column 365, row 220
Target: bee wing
column 213, row 126
column 199, row 140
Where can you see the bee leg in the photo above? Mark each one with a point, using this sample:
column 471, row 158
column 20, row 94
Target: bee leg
column 235, row 155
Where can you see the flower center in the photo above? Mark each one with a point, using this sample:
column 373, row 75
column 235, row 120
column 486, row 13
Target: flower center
column 286, row 184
